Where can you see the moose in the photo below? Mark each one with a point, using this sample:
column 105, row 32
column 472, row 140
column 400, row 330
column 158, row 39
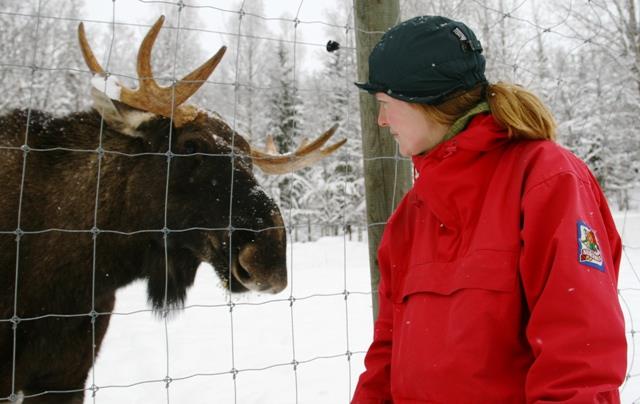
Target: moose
column 142, row 186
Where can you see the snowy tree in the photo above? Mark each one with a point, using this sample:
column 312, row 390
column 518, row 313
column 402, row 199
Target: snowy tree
column 284, row 103
column 613, row 26
column 46, row 39
column 599, row 99
column 596, row 117
column 496, row 23
column 255, row 53
column 582, row 59
column 176, row 52
column 39, row 51
column 284, row 120
column 338, row 193
column 16, row 54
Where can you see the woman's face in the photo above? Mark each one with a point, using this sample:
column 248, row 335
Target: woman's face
column 414, row 131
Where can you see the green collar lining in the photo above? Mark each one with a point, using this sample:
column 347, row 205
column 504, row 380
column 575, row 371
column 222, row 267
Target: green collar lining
column 461, row 123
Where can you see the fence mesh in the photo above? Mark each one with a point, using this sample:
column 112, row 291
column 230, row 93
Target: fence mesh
column 306, row 344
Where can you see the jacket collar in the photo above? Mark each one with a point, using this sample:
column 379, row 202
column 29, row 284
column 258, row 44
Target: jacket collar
column 482, row 134
column 461, row 123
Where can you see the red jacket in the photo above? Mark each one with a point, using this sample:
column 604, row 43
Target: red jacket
column 498, row 280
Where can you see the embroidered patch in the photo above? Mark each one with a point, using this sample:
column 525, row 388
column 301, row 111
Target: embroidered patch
column 588, row 248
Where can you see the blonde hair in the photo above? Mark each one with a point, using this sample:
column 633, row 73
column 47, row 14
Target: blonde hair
column 518, row 110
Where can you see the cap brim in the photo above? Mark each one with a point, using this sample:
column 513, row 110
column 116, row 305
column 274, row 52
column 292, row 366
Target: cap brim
column 429, row 99
column 372, row 88
column 426, row 99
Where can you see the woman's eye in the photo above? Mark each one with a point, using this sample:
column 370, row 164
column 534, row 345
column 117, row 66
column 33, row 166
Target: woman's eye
column 190, row 147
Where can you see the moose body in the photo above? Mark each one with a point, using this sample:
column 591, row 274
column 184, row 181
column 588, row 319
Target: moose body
column 55, row 270
column 94, row 200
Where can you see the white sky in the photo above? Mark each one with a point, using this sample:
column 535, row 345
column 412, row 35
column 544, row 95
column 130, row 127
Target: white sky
column 313, row 14
column 137, row 10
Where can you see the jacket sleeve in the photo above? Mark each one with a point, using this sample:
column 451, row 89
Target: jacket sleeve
column 374, row 383
column 575, row 326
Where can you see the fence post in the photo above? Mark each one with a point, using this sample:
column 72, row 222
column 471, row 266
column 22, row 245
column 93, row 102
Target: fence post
column 386, row 179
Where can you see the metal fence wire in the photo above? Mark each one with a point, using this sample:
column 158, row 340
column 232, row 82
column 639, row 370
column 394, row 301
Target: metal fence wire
column 306, row 344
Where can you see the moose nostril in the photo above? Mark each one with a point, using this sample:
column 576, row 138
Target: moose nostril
column 247, row 255
column 242, row 274
column 254, row 275
column 246, row 259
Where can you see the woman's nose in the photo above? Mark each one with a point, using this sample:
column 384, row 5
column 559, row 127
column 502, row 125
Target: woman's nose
column 382, row 119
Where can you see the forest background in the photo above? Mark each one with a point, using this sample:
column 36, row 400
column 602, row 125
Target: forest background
column 581, row 57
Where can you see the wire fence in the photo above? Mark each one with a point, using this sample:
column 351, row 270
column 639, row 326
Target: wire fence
column 303, row 345
column 94, row 385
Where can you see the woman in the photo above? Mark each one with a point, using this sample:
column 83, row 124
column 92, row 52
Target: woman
column 499, row 267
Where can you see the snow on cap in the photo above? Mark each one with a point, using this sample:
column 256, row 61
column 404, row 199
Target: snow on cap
column 424, row 60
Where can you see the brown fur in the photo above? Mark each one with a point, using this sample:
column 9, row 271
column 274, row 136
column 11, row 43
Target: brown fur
column 56, row 268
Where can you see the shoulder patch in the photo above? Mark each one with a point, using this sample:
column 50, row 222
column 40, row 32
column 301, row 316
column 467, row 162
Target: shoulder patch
column 589, row 252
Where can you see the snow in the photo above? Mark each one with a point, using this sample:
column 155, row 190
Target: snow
column 198, row 351
column 109, row 86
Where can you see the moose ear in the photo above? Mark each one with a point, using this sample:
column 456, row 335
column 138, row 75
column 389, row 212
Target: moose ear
column 116, row 114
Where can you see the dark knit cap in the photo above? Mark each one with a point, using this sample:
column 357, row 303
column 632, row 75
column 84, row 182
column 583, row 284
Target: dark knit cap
column 425, row 59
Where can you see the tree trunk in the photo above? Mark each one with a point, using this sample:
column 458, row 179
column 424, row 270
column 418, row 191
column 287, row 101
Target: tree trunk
column 634, row 36
column 386, row 179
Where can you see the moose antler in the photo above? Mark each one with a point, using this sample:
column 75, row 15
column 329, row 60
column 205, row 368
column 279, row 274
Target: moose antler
column 305, row 155
column 149, row 96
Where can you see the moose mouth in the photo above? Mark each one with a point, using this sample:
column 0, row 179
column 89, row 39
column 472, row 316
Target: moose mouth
column 241, row 275
column 244, row 271
column 253, row 274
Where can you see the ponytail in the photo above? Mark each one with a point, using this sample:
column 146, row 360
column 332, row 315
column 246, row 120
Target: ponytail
column 518, row 110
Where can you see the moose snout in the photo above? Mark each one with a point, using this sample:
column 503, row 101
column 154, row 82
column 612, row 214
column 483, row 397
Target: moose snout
column 260, row 270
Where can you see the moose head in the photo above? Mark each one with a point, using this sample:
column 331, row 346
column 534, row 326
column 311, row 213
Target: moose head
column 144, row 186
column 215, row 209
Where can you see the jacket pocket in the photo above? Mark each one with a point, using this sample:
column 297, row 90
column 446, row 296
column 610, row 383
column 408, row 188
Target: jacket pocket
column 485, row 270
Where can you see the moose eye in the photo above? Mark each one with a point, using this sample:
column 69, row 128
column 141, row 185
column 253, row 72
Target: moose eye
column 190, row 147
column 246, row 160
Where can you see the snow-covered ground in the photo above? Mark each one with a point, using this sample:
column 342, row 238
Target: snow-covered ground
column 261, row 336
column 199, row 346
